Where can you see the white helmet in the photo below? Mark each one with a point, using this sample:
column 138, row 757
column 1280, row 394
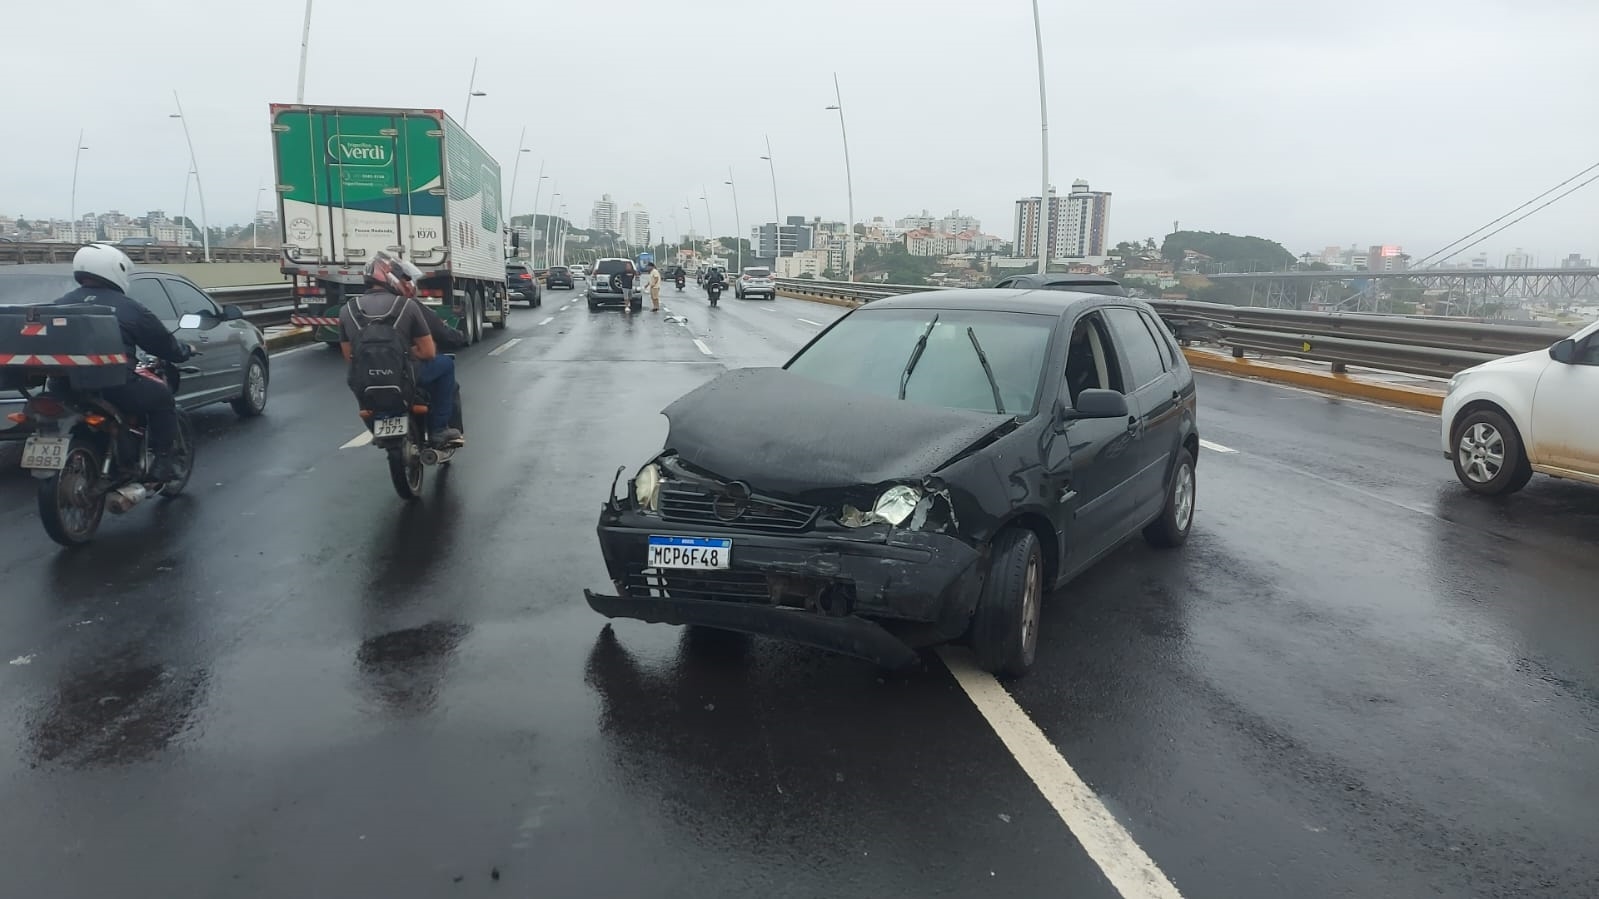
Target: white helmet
column 105, row 262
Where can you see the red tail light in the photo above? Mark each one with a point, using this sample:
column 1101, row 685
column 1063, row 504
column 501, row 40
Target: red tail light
column 526, row 276
column 46, row 407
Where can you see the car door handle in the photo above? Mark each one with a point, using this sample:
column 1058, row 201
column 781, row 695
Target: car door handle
column 1133, row 424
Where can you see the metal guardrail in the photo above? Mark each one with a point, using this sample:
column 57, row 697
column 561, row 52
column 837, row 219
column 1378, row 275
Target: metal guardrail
column 12, row 253
column 1414, row 345
column 264, row 304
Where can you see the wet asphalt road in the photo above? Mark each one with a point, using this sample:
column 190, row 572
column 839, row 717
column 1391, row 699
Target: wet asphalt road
column 1356, row 680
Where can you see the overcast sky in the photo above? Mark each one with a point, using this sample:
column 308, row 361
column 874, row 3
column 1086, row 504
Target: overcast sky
column 1313, row 123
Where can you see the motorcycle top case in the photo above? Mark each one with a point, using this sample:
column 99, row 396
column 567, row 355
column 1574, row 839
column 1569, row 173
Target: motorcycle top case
column 81, row 343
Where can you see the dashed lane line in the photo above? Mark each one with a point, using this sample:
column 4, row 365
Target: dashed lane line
column 809, row 322
column 703, row 348
column 1216, row 447
column 1125, row 864
column 361, row 439
column 545, row 322
column 505, row 346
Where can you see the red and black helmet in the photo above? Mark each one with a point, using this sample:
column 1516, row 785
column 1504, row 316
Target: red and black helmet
column 392, row 274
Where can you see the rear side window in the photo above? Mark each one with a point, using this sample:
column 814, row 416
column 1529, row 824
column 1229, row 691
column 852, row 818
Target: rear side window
column 151, row 295
column 1163, row 337
column 1138, row 348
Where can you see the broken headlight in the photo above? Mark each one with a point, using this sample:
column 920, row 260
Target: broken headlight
column 647, row 488
column 894, row 507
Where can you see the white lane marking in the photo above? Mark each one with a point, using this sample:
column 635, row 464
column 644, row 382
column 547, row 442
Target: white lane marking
column 505, row 346
column 703, row 348
column 767, row 309
column 1125, row 864
column 361, row 439
column 1213, row 447
column 809, row 322
column 566, row 307
column 545, row 322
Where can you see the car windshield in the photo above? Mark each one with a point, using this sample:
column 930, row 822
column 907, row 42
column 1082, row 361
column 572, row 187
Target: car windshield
column 870, row 351
column 28, row 288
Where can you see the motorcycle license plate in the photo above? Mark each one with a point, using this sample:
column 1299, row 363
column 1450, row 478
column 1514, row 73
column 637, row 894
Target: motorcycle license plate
column 391, row 427
column 705, row 553
column 46, row 453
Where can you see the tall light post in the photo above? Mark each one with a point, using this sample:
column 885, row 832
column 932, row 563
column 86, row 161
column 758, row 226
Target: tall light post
column 305, row 47
column 533, row 228
column 849, row 185
column 516, row 170
column 471, row 91
column 738, row 227
column 710, row 229
column 255, row 224
column 692, row 243
column 549, row 226
column 73, row 213
column 1043, row 123
column 560, row 245
column 776, row 215
column 205, row 224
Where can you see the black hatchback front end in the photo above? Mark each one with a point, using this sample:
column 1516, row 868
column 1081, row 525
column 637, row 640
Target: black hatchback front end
column 696, row 549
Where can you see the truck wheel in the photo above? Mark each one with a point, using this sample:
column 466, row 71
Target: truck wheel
column 1004, row 631
column 474, row 319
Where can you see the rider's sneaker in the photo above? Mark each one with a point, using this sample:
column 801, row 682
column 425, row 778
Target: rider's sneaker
column 445, row 437
column 163, row 470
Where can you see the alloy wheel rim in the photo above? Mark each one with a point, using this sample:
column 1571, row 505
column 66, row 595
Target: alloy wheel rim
column 1185, row 496
column 257, row 385
column 1031, row 590
column 1481, row 452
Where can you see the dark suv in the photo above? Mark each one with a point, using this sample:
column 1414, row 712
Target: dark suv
column 559, row 276
column 1000, row 443
column 614, row 282
column 521, row 285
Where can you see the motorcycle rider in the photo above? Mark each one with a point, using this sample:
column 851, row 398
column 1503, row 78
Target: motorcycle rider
column 714, row 276
column 103, row 273
column 390, row 294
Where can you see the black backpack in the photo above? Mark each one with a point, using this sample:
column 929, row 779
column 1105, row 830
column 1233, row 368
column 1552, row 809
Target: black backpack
column 381, row 376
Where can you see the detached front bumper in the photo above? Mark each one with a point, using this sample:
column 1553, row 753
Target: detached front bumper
column 874, row 596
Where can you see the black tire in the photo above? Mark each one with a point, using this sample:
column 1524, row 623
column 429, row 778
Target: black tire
column 474, row 317
column 69, row 514
column 1170, row 530
column 505, row 314
column 406, row 470
column 183, row 456
column 253, row 400
column 1478, row 439
column 593, row 306
column 1004, row 632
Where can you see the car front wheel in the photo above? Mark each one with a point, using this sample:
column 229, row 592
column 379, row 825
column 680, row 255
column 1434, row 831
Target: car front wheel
column 1488, row 455
column 1004, row 633
column 253, row 400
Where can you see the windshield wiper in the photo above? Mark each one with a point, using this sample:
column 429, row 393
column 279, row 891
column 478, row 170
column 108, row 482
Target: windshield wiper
column 916, row 356
column 999, row 404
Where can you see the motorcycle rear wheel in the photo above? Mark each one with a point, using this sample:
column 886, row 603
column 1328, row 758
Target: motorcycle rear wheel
column 406, row 470
column 69, row 509
column 183, row 456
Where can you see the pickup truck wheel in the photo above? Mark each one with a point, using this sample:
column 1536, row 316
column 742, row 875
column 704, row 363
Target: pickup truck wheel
column 1488, row 455
column 1004, row 632
column 1171, row 528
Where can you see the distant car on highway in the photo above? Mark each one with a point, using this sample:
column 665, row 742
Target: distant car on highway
column 521, row 285
column 233, row 361
column 757, row 281
column 559, row 276
column 1534, row 412
column 930, row 466
column 1078, row 283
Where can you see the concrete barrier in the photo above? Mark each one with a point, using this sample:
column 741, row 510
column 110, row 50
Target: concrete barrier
column 225, row 274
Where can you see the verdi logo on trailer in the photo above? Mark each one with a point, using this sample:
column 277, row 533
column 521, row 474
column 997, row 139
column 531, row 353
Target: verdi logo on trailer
column 360, row 149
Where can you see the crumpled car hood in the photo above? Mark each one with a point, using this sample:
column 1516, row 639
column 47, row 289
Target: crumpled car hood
column 785, row 433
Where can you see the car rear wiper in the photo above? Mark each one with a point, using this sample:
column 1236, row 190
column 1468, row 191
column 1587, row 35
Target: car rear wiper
column 999, row 404
column 916, row 356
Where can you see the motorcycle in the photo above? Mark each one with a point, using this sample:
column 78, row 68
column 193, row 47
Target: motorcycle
column 88, row 456
column 680, row 282
column 714, row 291
column 402, row 434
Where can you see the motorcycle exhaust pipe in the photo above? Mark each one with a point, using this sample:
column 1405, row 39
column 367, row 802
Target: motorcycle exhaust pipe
column 122, row 499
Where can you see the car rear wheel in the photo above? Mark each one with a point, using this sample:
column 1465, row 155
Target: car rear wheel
column 1171, row 528
column 1004, row 632
column 253, row 400
column 1488, row 455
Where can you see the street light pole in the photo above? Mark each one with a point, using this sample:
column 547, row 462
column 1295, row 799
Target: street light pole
column 205, row 223
column 849, row 186
column 305, row 47
column 693, row 245
column 1043, row 121
column 533, row 229
column 73, row 213
column 738, row 227
column 255, row 224
column 549, row 226
column 516, row 171
column 471, row 91
column 776, row 214
column 709, row 228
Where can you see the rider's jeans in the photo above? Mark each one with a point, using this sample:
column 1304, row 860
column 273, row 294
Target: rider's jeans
column 142, row 396
column 438, row 376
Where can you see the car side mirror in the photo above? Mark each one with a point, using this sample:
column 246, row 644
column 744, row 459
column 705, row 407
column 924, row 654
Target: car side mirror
column 189, row 322
column 1565, row 351
column 232, row 314
column 1095, row 402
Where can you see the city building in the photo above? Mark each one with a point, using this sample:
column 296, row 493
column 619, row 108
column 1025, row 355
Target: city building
column 1386, row 258
column 797, row 236
column 1078, row 223
column 1520, row 259
column 805, row 262
column 1576, row 260
column 603, row 217
column 635, row 226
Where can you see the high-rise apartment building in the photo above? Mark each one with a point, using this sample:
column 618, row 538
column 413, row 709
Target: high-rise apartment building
column 636, row 226
column 1078, row 223
column 603, row 217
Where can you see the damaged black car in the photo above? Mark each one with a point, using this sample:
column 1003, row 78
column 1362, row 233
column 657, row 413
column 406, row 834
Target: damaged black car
column 927, row 469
